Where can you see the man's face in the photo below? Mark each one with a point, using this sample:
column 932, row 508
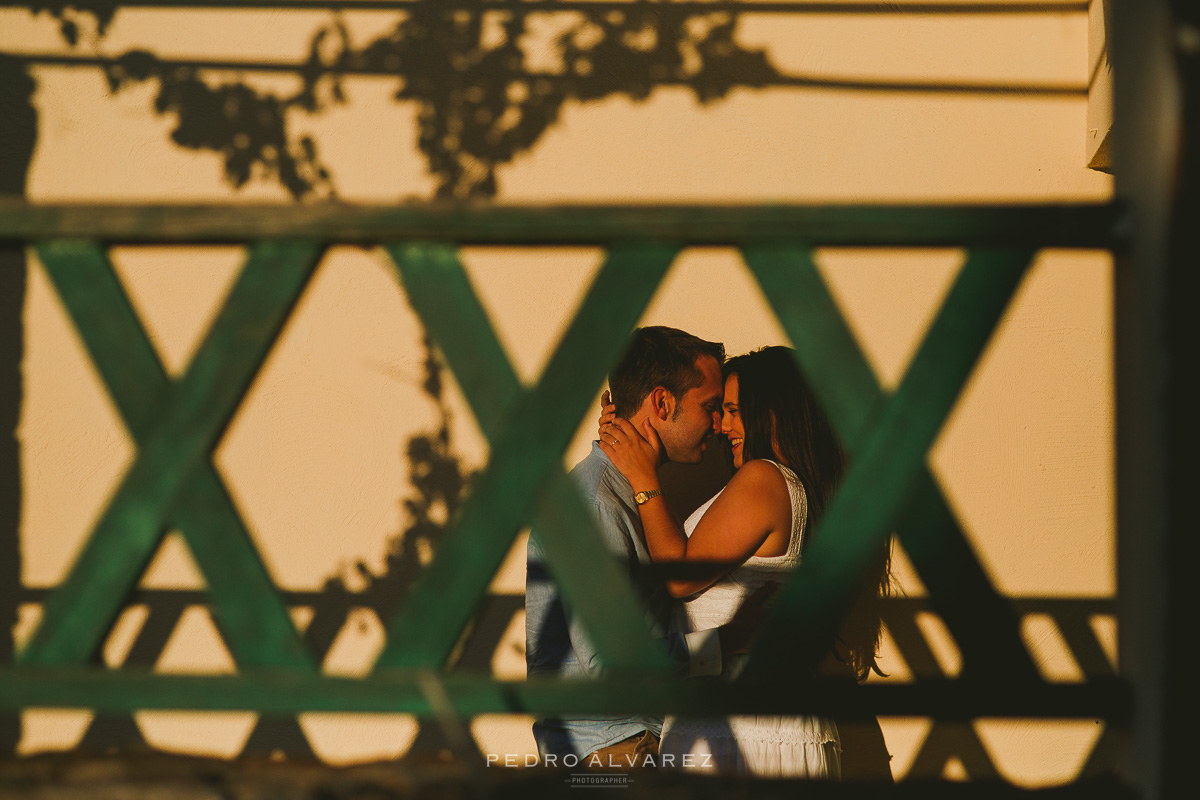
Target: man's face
column 697, row 416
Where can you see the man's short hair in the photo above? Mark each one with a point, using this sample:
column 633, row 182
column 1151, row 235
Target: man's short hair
column 659, row 356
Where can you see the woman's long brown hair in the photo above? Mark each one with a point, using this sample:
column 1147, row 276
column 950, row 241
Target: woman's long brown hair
column 783, row 422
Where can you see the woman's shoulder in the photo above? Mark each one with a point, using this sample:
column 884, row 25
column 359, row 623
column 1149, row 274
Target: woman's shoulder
column 763, row 466
column 761, row 475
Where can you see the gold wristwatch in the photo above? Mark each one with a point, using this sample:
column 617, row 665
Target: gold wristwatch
column 642, row 497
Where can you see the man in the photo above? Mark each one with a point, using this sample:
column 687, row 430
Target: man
column 672, row 379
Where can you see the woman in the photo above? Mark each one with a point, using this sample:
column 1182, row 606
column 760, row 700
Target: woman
column 788, row 462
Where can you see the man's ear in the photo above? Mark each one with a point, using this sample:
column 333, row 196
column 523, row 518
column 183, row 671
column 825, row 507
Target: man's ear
column 662, row 403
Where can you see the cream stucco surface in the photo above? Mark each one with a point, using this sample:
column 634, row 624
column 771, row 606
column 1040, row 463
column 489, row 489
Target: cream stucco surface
column 314, row 458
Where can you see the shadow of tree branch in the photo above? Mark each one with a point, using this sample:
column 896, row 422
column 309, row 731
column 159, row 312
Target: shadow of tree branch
column 480, row 103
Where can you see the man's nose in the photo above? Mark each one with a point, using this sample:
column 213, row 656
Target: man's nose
column 716, row 422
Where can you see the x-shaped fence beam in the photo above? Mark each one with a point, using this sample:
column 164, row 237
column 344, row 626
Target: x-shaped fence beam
column 528, row 431
column 889, row 484
column 176, row 425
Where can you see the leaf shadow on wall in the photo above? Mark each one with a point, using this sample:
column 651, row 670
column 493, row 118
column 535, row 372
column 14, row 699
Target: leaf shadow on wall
column 479, row 103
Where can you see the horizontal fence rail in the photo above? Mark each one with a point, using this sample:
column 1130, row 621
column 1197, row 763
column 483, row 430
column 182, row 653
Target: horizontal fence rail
column 1100, row 225
column 931, row 693
column 418, row 692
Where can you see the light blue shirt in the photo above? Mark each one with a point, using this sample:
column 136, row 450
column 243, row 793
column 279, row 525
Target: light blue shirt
column 555, row 641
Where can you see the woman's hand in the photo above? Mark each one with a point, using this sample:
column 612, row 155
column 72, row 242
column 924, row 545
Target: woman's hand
column 635, row 454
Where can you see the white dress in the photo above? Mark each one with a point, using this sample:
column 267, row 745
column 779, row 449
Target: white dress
column 753, row 745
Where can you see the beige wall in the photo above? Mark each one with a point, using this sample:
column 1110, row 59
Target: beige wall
column 314, row 459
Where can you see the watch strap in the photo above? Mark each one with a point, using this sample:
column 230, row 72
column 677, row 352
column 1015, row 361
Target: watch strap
column 642, row 497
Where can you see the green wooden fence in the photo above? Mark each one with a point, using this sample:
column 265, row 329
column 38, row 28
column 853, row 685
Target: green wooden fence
column 177, row 424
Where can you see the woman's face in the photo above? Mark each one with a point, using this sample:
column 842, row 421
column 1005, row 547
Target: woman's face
column 731, row 420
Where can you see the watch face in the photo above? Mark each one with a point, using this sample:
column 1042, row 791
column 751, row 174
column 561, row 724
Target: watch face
column 640, row 498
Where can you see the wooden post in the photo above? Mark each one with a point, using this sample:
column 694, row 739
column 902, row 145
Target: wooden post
column 1156, row 59
column 18, row 132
